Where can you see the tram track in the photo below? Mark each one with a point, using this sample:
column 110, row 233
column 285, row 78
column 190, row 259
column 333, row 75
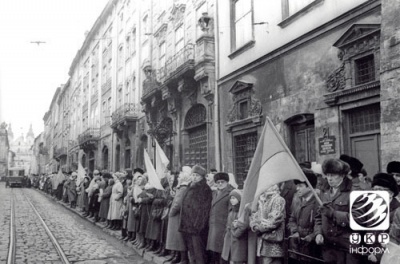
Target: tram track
column 12, row 253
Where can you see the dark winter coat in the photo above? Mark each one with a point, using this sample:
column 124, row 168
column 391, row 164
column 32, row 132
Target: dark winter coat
column 105, row 202
column 71, row 190
column 174, row 237
column 153, row 230
column 145, row 209
column 195, row 208
column 336, row 231
column 302, row 221
column 218, row 217
column 235, row 239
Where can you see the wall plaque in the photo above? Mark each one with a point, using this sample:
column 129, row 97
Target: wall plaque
column 327, row 145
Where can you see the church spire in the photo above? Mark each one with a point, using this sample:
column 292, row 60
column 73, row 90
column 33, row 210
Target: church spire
column 30, row 132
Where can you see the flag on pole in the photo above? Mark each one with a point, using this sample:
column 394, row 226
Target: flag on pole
column 272, row 163
column 161, row 161
column 151, row 172
column 81, row 174
column 57, row 179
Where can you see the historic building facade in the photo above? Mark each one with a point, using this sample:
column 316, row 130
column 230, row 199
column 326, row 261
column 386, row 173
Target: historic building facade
column 21, row 148
column 4, row 149
column 178, row 91
column 315, row 69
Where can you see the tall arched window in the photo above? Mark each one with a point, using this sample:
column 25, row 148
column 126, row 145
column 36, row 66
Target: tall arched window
column 105, row 157
column 91, row 161
column 196, row 127
column 128, row 154
column 117, row 158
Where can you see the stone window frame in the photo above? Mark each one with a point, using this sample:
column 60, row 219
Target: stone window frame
column 237, row 50
column 290, row 18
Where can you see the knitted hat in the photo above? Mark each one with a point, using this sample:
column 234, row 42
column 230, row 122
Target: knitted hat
column 221, row 176
column 74, row 174
column 393, row 166
column 387, row 181
column 311, row 177
column 138, row 170
column 335, row 166
column 236, row 193
column 355, row 164
column 199, row 170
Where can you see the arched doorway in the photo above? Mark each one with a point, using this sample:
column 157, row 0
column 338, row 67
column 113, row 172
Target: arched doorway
column 91, row 161
column 83, row 160
column 196, row 127
column 105, row 157
column 128, row 154
column 117, row 158
column 302, row 137
column 140, row 151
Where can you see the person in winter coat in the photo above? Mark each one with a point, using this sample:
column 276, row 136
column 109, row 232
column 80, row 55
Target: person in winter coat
column 268, row 223
column 195, row 214
column 141, row 216
column 175, row 241
column 114, row 212
column 218, row 216
column 393, row 168
column 355, row 174
column 133, row 216
column 302, row 220
column 94, row 204
column 145, row 200
column 235, row 239
column 332, row 219
column 105, row 202
column 72, row 190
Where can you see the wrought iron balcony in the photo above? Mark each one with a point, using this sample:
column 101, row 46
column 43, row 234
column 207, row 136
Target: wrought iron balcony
column 124, row 115
column 178, row 64
column 89, row 138
column 106, row 86
column 59, row 152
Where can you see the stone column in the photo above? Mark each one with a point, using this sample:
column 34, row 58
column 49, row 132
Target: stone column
column 390, row 82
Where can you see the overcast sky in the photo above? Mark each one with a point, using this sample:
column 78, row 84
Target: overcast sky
column 30, row 73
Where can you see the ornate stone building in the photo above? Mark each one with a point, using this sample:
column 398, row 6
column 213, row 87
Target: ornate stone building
column 4, row 149
column 323, row 71
column 22, row 149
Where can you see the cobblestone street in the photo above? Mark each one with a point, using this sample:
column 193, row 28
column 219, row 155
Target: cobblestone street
column 80, row 240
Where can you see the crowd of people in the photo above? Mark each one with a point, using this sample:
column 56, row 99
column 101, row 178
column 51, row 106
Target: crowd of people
column 196, row 217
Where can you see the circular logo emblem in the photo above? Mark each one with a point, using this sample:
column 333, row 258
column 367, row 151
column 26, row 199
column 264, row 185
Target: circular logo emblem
column 369, row 210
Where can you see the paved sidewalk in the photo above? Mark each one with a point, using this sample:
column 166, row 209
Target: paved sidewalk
column 149, row 256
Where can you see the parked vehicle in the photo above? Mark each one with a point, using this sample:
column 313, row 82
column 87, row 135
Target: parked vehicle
column 14, row 181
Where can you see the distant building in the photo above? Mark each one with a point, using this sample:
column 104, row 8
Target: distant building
column 21, row 147
column 4, row 150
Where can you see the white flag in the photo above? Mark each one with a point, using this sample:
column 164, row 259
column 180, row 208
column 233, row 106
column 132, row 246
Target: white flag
column 81, row 174
column 161, row 161
column 151, row 172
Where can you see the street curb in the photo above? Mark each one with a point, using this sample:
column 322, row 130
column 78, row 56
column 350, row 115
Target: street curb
column 117, row 234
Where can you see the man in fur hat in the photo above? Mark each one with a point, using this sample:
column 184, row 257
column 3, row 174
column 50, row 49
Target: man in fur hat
column 355, row 175
column 195, row 214
column 332, row 227
column 218, row 216
column 393, row 168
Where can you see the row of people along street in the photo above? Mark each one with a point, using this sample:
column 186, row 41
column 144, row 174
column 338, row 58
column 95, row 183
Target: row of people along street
column 195, row 217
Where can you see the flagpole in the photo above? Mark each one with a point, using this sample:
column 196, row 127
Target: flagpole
column 294, row 160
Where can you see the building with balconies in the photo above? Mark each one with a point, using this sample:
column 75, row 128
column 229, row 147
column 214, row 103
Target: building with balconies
column 322, row 71
column 178, row 89
column 4, row 149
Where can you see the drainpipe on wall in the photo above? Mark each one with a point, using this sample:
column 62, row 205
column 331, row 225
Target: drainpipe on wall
column 216, row 94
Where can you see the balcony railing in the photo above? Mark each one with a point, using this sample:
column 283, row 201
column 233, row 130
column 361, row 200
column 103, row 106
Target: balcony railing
column 183, row 59
column 94, row 96
column 126, row 112
column 106, row 86
column 89, row 138
column 58, row 152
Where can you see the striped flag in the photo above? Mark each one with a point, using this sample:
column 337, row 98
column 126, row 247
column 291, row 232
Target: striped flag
column 272, row 163
column 161, row 161
column 151, row 172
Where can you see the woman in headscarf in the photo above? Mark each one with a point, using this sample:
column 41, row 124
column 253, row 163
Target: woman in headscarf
column 175, row 240
column 136, row 212
column 114, row 212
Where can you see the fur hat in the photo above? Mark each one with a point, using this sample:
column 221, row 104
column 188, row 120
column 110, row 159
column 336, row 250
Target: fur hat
column 387, row 181
column 236, row 193
column 311, row 177
column 393, row 166
column 355, row 164
column 138, row 170
column 335, row 166
column 221, row 176
column 199, row 170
